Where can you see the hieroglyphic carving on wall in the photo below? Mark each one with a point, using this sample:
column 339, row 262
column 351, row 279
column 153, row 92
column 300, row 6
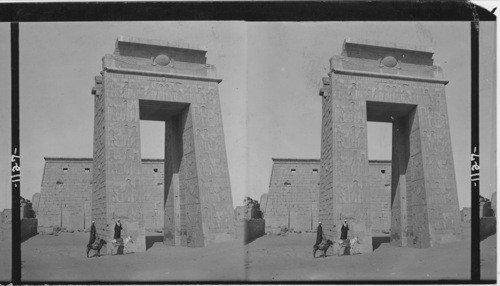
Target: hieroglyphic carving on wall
column 124, row 161
column 123, row 135
column 189, row 166
column 125, row 110
column 191, row 191
column 349, row 111
column 433, row 156
column 203, row 164
column 194, row 231
column 350, row 192
column 162, row 89
column 209, row 140
column 124, row 189
column 349, row 135
column 351, row 162
column 387, row 90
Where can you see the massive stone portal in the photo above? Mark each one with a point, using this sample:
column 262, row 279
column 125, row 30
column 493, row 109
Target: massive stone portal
column 170, row 82
column 387, row 82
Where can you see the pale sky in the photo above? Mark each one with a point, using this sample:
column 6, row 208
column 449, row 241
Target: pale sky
column 269, row 94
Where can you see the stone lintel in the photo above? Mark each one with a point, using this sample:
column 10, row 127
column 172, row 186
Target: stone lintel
column 390, row 76
column 391, row 45
column 147, row 48
column 387, row 67
column 161, row 43
column 370, row 49
column 292, row 160
column 161, row 74
column 67, row 159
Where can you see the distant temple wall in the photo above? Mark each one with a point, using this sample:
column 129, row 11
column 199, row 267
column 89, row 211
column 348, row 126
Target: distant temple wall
column 293, row 196
column 65, row 198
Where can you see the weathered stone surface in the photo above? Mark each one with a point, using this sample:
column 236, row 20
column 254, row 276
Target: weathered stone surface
column 6, row 225
column 66, row 191
column 494, row 203
column 28, row 228
column 139, row 83
column 239, row 213
column 263, row 202
column 35, row 201
column 292, row 201
column 410, row 94
column 465, row 215
column 254, row 228
column 380, row 183
column 65, row 196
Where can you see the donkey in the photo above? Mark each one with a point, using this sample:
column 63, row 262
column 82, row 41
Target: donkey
column 323, row 246
column 121, row 242
column 96, row 246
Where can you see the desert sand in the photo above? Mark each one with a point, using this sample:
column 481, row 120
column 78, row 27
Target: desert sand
column 6, row 260
column 63, row 258
column 268, row 258
column 489, row 258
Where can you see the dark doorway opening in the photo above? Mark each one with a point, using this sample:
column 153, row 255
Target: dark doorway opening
column 161, row 140
column 389, row 126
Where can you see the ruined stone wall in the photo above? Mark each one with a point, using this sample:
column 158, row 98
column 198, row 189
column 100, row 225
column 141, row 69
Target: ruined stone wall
column 35, row 201
column 254, row 228
column 65, row 198
column 27, row 210
column 294, row 190
column 239, row 213
column 29, row 228
column 263, row 203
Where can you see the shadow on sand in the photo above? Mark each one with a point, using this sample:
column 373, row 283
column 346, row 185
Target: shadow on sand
column 152, row 239
column 487, row 227
column 378, row 240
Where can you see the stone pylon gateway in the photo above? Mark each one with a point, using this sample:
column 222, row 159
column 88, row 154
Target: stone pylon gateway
column 387, row 82
column 169, row 82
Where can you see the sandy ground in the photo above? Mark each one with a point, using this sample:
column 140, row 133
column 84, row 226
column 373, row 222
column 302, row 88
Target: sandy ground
column 269, row 258
column 63, row 258
column 6, row 261
column 488, row 258
column 274, row 258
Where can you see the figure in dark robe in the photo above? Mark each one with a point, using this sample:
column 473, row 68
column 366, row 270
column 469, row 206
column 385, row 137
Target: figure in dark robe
column 343, row 230
column 319, row 234
column 92, row 233
column 118, row 230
